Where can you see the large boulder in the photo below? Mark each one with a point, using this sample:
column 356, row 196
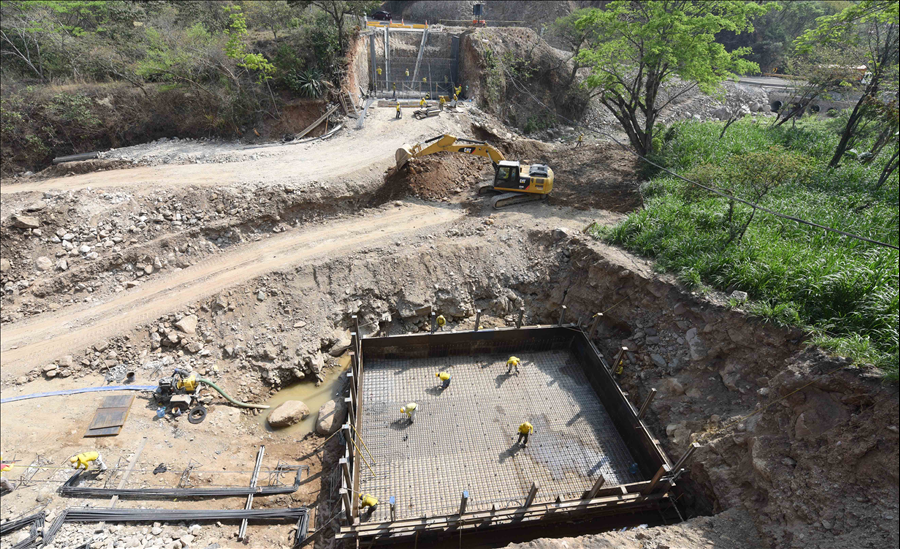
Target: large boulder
column 25, row 221
column 331, row 417
column 289, row 413
column 187, row 324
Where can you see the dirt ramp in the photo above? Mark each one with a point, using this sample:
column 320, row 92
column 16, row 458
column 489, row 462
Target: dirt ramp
column 438, row 176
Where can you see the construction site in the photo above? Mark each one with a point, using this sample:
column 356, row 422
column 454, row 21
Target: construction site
column 243, row 345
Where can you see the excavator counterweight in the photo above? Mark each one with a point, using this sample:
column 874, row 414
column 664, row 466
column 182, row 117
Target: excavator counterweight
column 518, row 182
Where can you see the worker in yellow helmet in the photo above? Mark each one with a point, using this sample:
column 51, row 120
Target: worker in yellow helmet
column 368, row 502
column 5, row 484
column 513, row 364
column 441, row 102
column 441, row 321
column 410, row 411
column 422, row 103
column 85, row 459
column 407, row 73
column 580, row 140
column 399, row 114
column 445, row 378
column 458, row 91
column 524, row 430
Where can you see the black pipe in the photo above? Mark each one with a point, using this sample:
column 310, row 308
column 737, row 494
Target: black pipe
column 76, row 157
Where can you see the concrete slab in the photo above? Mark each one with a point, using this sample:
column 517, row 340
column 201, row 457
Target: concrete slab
column 464, row 438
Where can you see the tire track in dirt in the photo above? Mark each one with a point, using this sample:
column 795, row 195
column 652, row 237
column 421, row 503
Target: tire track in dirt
column 29, row 344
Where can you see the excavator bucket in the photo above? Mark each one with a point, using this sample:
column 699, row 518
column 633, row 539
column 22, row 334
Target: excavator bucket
column 402, row 156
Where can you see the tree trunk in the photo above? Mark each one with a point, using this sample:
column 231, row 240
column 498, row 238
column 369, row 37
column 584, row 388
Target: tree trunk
column 889, row 168
column 847, row 134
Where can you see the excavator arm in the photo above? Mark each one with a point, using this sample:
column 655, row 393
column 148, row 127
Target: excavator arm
column 450, row 143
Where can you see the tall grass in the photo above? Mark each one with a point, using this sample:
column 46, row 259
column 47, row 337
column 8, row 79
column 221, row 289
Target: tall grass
column 844, row 291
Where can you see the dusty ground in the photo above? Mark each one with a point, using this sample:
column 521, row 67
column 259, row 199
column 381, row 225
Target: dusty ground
column 272, row 255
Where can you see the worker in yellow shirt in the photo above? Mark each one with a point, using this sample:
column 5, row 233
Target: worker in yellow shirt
column 368, row 502
column 513, row 364
column 445, row 378
column 85, row 459
column 524, row 430
column 399, row 114
column 441, row 321
column 580, row 141
column 410, row 411
column 5, row 484
column 441, row 102
column 422, row 103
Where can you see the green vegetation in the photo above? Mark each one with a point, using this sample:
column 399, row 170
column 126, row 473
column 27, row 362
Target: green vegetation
column 844, row 291
column 637, row 47
column 199, row 68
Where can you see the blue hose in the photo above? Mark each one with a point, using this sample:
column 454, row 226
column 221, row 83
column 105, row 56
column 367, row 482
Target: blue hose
column 82, row 390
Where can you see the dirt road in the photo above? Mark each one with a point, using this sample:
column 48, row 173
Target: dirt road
column 34, row 343
column 342, row 156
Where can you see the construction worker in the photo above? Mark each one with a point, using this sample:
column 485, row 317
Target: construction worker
column 580, row 141
column 407, row 73
column 441, row 102
column 399, row 114
column 422, row 103
column 457, row 92
column 5, row 484
column 524, row 430
column 441, row 321
column 445, row 378
column 368, row 501
column 513, row 364
column 85, row 459
column 410, row 411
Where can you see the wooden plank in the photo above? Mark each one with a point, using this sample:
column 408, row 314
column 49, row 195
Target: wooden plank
column 137, row 454
column 316, row 123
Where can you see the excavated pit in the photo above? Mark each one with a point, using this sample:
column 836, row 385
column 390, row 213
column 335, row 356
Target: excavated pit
column 775, row 478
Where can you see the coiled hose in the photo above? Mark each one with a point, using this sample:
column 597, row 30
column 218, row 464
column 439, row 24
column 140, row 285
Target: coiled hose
column 229, row 399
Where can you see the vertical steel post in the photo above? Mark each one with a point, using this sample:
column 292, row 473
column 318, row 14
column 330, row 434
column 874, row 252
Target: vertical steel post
column 351, row 410
column 620, row 356
column 477, row 319
column 646, row 403
column 562, row 315
column 462, row 503
column 433, row 321
column 521, row 317
column 393, row 503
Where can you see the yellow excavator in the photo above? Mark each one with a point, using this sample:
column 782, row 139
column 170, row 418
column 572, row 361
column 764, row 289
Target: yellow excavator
column 513, row 183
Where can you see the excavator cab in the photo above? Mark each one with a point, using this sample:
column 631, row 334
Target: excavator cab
column 507, row 175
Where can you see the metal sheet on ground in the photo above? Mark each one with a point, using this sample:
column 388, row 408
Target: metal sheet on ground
column 110, row 416
column 464, row 438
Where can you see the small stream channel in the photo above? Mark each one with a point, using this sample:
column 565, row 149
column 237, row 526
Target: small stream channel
column 314, row 397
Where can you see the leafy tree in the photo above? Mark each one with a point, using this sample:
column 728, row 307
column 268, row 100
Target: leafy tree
column 775, row 31
column 272, row 15
column 875, row 26
column 338, row 10
column 236, row 49
column 637, row 47
column 575, row 37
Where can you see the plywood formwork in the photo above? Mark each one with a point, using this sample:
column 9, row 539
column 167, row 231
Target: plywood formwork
column 462, row 446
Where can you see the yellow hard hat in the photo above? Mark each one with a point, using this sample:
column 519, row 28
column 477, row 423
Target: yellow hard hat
column 403, row 410
column 437, row 374
column 73, row 459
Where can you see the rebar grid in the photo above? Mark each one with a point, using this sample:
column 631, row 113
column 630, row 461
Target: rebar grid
column 464, row 438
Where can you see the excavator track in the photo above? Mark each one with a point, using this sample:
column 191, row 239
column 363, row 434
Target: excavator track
column 508, row 199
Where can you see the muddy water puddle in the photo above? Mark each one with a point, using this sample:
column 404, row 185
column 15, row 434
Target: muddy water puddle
column 314, row 397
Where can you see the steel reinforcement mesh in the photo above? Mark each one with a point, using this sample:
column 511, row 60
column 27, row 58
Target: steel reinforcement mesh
column 465, row 437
